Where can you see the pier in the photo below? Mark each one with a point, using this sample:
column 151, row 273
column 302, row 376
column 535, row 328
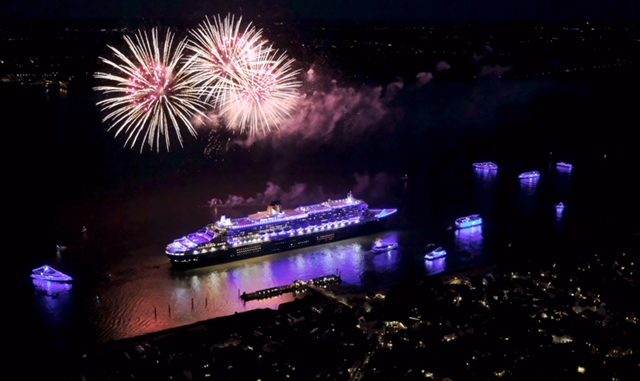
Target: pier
column 295, row 286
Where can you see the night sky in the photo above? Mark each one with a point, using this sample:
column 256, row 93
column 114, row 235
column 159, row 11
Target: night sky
column 331, row 10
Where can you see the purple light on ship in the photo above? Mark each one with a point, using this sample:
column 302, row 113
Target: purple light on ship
column 48, row 273
column 381, row 246
column 435, row 254
column 468, row 221
column 485, row 166
column 564, row 167
column 51, row 287
column 530, row 175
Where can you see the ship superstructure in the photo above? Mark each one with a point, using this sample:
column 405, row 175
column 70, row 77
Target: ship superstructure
column 275, row 230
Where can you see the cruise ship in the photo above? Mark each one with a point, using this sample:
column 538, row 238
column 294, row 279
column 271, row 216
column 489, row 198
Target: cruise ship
column 276, row 230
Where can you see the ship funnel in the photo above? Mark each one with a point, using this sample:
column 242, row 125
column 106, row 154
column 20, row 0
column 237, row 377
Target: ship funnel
column 274, row 208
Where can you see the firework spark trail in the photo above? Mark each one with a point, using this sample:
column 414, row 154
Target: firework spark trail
column 252, row 86
column 150, row 93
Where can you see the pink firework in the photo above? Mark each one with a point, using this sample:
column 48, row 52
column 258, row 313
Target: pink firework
column 149, row 95
column 252, row 86
column 222, row 50
column 264, row 95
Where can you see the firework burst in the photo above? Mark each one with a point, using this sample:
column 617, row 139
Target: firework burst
column 222, row 52
column 149, row 95
column 252, row 86
column 264, row 96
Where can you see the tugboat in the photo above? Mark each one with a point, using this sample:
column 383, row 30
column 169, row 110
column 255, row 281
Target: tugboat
column 381, row 246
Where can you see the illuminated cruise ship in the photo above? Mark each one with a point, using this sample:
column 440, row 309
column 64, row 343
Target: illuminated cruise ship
column 276, row 230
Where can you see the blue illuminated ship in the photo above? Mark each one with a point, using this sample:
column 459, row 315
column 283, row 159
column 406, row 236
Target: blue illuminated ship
column 435, row 254
column 468, row 221
column 381, row 246
column 50, row 274
column 276, row 230
column 486, row 166
column 564, row 167
column 531, row 175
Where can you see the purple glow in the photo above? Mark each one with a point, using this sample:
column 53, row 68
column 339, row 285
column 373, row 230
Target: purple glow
column 381, row 246
column 435, row 254
column 564, row 167
column 486, row 166
column 531, row 175
column 437, row 265
column 469, row 240
column 48, row 273
column 384, row 212
column 559, row 210
column 51, row 287
column 468, row 221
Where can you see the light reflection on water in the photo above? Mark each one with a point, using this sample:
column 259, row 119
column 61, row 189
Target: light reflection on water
column 145, row 295
column 469, row 241
column 55, row 299
column 436, row 266
column 157, row 298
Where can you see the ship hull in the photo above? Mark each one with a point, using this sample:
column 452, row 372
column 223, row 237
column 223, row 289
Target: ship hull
column 276, row 246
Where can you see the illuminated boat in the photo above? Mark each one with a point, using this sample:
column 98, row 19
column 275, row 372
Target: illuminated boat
column 559, row 207
column 381, row 246
column 531, row 175
column 564, row 167
column 50, row 274
column 486, row 166
column 276, row 230
column 435, row 254
column 468, row 221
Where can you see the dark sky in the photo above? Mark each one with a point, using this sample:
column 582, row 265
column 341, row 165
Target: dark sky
column 339, row 10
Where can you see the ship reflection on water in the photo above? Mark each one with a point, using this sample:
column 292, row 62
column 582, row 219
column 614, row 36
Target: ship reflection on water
column 436, row 266
column 158, row 298
column 55, row 300
column 468, row 242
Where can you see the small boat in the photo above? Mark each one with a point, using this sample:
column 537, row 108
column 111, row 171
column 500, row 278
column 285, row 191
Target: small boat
column 564, row 166
column 435, row 254
column 486, row 166
column 468, row 221
column 381, row 246
column 559, row 207
column 49, row 273
column 529, row 175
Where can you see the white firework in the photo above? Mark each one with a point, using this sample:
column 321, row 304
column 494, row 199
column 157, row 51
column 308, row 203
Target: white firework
column 263, row 96
column 150, row 92
column 222, row 50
